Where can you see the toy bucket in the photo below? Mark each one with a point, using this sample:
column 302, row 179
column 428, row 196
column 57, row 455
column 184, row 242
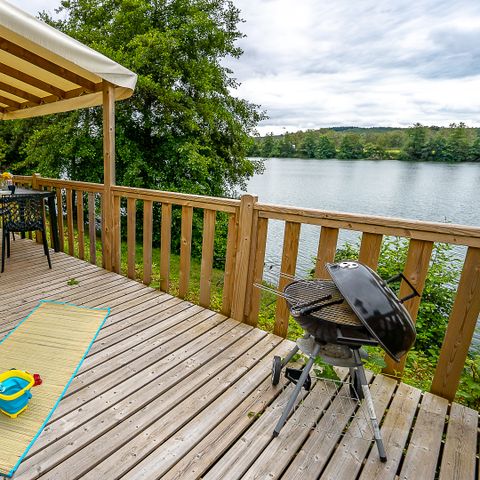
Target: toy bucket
column 15, row 393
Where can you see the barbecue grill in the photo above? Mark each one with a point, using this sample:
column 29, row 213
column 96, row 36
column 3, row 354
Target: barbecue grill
column 355, row 308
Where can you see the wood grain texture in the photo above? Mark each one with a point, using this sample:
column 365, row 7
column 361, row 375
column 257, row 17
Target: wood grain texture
column 424, row 448
column 262, row 231
column 116, row 236
column 147, row 241
column 92, row 232
column 461, row 325
column 416, row 270
column 287, row 270
column 460, row 450
column 327, row 246
column 370, row 249
column 185, row 251
column 229, row 272
column 131, row 236
column 242, row 260
column 207, row 256
column 165, row 246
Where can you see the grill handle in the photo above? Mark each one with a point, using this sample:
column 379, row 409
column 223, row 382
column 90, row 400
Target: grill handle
column 401, row 276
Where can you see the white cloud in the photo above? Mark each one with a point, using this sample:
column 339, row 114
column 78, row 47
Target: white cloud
column 312, row 63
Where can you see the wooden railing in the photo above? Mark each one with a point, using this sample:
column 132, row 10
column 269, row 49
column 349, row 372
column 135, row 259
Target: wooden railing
column 246, row 246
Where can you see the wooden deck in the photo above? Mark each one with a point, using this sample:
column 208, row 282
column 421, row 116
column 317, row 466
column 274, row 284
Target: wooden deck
column 171, row 390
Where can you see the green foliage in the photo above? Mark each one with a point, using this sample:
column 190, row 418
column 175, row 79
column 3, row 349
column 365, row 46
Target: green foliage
column 351, row 147
column 326, row 147
column 457, row 143
column 469, row 389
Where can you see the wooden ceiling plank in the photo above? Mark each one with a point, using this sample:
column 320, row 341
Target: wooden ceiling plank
column 20, row 93
column 45, row 64
column 35, row 82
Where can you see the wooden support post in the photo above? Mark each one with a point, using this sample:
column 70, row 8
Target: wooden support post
column 461, row 326
column 109, row 170
column 242, row 261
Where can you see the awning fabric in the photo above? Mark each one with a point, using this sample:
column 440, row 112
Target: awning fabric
column 44, row 71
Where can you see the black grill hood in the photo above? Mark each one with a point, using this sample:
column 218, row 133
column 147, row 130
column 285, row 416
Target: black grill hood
column 376, row 305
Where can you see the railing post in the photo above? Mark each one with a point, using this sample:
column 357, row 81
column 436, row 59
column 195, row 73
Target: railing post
column 242, row 261
column 109, row 173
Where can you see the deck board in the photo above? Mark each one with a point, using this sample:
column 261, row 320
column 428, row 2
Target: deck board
column 172, row 390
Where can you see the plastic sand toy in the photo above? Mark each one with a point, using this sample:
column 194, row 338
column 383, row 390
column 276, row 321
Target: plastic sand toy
column 15, row 392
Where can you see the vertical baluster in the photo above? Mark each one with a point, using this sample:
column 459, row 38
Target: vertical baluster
column 229, row 274
column 416, row 269
column 207, row 256
column 261, row 245
column 117, row 236
column 91, row 228
column 289, row 264
column 165, row 246
column 131, row 233
column 185, row 250
column 327, row 246
column 370, row 249
column 147, row 241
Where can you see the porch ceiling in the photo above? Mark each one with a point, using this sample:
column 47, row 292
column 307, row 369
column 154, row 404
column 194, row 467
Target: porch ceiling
column 44, row 71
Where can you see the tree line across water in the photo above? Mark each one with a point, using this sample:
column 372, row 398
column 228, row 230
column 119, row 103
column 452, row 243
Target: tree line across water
column 456, row 143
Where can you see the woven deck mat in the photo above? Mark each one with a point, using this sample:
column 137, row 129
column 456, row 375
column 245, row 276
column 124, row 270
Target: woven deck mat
column 53, row 340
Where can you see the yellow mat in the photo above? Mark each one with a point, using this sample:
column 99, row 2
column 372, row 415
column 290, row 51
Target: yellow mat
column 52, row 341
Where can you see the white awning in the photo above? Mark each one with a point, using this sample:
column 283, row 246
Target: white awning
column 44, row 71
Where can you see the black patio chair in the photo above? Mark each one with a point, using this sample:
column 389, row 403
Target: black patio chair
column 22, row 213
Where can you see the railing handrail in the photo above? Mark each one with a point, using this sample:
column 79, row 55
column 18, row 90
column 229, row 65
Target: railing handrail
column 423, row 230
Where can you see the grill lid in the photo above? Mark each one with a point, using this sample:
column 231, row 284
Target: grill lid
column 376, row 305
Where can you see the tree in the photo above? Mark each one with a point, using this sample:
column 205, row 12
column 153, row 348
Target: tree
column 350, row 147
column 416, row 145
column 474, row 154
column 458, row 144
column 308, row 148
column 183, row 129
column 325, row 147
column 270, row 147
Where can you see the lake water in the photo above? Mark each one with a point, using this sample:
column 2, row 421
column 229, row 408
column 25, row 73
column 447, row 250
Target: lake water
column 440, row 192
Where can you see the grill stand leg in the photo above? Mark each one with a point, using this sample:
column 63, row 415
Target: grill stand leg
column 369, row 402
column 296, row 391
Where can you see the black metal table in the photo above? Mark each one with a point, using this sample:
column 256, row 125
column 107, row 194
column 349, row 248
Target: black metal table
column 50, row 197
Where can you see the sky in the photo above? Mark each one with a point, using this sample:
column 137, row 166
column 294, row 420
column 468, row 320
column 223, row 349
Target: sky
column 316, row 63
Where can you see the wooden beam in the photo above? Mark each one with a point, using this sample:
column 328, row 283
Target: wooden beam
column 10, row 102
column 34, row 82
column 108, row 169
column 45, row 64
column 32, row 99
